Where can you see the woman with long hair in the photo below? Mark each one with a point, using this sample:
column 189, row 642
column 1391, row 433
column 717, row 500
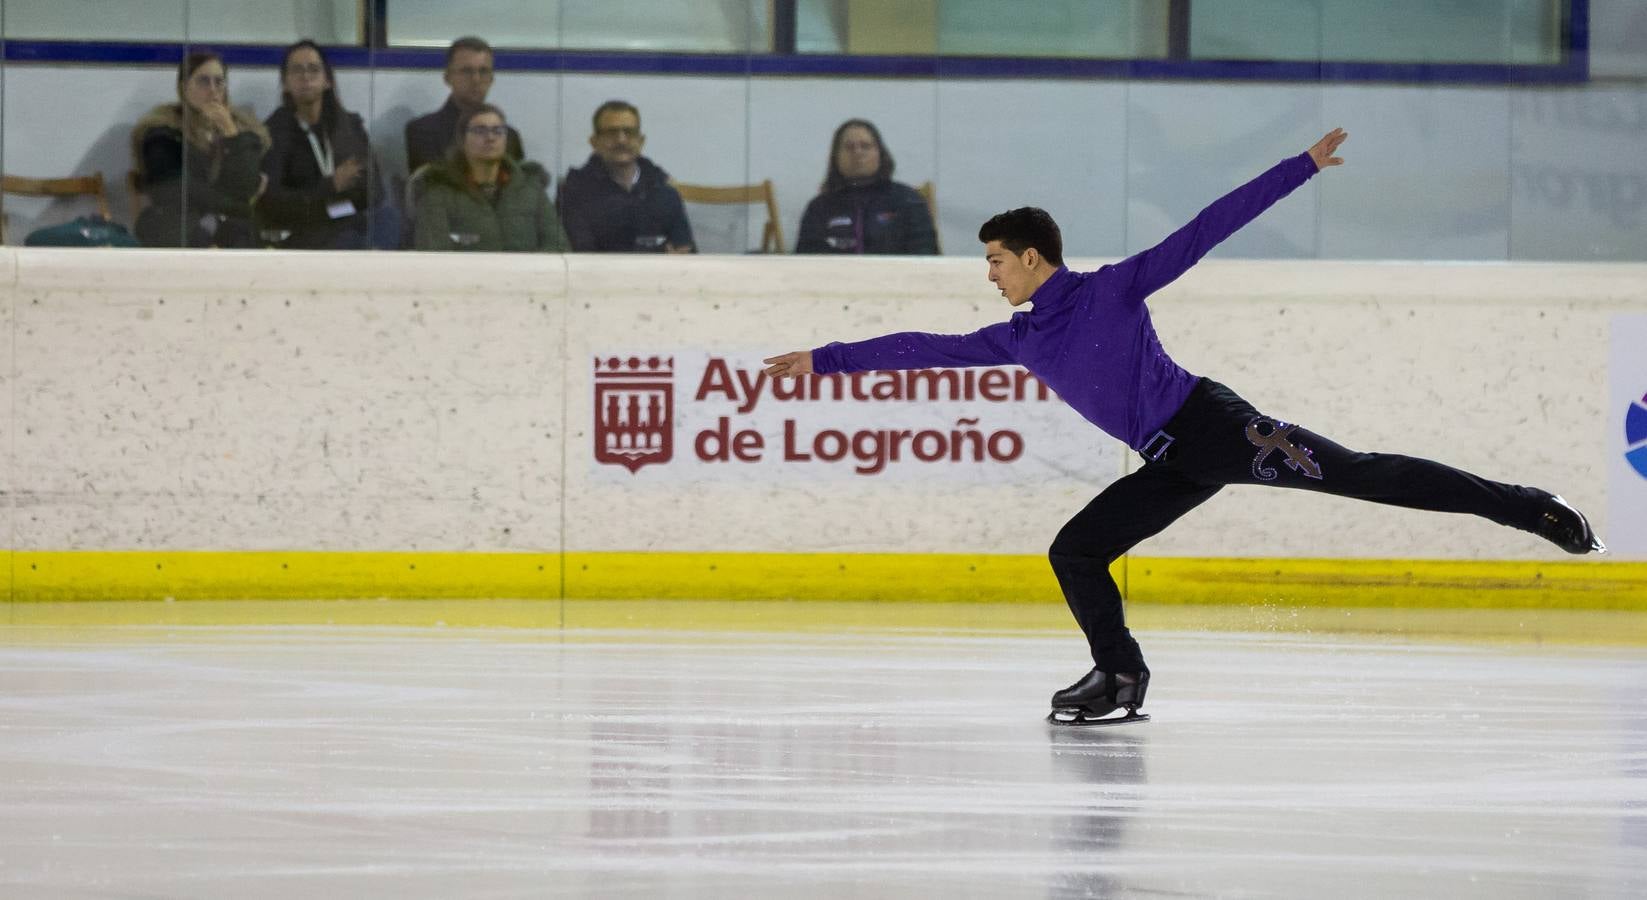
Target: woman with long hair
column 860, row 209
column 319, row 165
column 481, row 199
column 197, row 163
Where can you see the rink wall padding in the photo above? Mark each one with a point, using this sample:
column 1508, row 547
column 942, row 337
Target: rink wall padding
column 272, row 425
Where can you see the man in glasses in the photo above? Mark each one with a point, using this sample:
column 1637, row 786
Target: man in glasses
column 469, row 75
column 620, row 201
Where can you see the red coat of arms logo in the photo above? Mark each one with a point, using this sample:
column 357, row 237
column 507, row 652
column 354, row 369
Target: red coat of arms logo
column 634, row 411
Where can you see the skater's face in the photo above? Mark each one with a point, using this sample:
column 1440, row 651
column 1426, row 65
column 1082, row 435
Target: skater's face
column 1013, row 273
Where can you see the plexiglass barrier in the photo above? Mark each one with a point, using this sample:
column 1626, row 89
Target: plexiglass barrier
column 1486, row 130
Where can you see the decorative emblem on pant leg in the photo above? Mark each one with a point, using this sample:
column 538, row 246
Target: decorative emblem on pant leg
column 1270, row 435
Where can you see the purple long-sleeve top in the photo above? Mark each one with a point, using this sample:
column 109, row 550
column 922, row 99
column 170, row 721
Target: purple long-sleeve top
column 1089, row 335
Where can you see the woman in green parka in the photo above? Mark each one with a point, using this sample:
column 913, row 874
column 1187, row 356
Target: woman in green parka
column 480, row 199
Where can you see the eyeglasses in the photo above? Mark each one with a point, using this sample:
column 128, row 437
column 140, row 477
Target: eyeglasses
column 484, row 131
column 617, row 131
column 215, row 81
column 306, row 69
column 483, row 73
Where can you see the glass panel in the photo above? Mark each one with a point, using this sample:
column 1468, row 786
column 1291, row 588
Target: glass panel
column 871, row 27
column 705, row 26
column 1074, row 28
column 429, row 161
column 42, row 141
column 1426, row 174
column 320, row 177
column 1589, row 205
column 1191, row 143
column 1463, row 31
column 692, row 129
column 265, row 22
column 862, row 193
column 1618, row 38
column 820, row 26
column 436, row 23
column 1255, row 29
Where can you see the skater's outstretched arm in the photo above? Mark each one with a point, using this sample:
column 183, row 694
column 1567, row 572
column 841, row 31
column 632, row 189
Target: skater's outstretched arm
column 1158, row 266
column 905, row 350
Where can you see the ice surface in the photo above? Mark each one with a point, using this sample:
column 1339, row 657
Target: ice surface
column 409, row 763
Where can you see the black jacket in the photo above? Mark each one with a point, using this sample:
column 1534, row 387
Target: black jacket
column 883, row 217
column 601, row 217
column 429, row 137
column 196, row 197
column 298, row 197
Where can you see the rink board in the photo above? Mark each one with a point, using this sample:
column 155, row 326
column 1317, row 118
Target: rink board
column 263, row 425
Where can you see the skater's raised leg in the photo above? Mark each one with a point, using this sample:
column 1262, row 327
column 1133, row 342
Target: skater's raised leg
column 1222, row 438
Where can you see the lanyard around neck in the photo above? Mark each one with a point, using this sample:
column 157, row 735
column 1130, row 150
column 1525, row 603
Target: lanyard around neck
column 322, row 150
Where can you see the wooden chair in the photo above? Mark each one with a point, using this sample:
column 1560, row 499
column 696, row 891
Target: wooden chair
column 85, row 186
column 930, row 195
column 771, row 233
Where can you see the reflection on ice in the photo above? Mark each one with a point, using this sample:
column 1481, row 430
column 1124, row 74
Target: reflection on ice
column 200, row 762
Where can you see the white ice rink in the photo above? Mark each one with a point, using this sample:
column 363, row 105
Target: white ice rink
column 309, row 762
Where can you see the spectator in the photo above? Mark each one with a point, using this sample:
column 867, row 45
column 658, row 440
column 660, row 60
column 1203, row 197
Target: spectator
column 860, row 208
column 197, row 163
column 620, row 201
column 318, row 166
column 469, row 75
column 480, row 199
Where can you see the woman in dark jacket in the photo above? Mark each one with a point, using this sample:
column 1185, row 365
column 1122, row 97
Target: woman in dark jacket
column 319, row 163
column 861, row 209
column 481, row 199
column 197, row 163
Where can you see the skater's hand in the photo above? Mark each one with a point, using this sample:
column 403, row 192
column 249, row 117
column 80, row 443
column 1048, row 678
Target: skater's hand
column 1323, row 150
column 789, row 365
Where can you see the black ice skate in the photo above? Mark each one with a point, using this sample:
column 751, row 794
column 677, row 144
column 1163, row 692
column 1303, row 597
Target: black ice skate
column 1091, row 700
column 1566, row 527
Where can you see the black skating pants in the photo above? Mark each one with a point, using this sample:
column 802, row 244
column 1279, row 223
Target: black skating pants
column 1216, row 439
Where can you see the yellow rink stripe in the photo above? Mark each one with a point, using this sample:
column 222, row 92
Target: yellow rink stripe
column 72, row 576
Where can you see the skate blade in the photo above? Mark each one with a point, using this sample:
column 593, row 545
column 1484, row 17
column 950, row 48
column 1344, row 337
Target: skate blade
column 1072, row 719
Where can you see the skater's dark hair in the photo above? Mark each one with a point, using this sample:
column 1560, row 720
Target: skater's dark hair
column 1025, row 227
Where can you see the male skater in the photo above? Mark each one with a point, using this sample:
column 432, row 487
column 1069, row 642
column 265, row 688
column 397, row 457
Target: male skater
column 1090, row 339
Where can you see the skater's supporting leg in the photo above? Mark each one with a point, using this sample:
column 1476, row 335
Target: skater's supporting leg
column 1134, row 508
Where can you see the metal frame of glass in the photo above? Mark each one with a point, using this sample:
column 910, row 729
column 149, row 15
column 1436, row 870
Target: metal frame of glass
column 1573, row 66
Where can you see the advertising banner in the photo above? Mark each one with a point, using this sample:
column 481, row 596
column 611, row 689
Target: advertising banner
column 1626, row 532
column 674, row 416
